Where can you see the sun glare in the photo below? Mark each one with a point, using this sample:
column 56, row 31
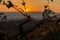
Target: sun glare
column 27, row 10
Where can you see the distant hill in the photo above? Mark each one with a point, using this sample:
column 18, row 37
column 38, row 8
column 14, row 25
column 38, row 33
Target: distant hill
column 19, row 16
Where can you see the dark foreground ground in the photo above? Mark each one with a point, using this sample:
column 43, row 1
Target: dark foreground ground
column 45, row 31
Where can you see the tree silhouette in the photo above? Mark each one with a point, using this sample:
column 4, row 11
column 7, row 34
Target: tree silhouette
column 24, row 4
column 10, row 4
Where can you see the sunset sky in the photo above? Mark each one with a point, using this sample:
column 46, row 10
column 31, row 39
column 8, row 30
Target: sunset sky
column 32, row 5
